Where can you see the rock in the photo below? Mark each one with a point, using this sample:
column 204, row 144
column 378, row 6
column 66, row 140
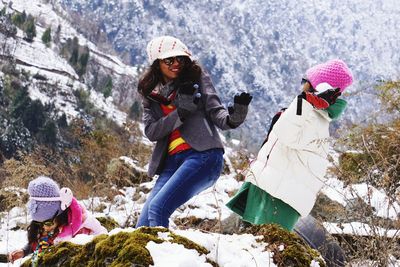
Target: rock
column 316, row 236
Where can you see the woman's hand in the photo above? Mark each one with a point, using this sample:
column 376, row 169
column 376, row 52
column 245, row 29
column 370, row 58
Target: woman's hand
column 187, row 100
column 15, row 255
column 322, row 100
column 238, row 112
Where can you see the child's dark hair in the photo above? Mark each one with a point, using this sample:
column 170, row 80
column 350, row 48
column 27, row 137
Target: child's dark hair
column 191, row 72
column 35, row 228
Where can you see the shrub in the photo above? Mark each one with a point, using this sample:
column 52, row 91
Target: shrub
column 376, row 162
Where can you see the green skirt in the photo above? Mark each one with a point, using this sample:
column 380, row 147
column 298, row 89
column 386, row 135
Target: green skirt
column 256, row 206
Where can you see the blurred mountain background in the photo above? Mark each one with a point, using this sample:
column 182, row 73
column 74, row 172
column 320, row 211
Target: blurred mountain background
column 263, row 47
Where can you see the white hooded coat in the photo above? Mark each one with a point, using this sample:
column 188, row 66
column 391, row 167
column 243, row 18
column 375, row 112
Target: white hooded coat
column 292, row 164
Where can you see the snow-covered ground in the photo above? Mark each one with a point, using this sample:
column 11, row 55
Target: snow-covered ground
column 226, row 250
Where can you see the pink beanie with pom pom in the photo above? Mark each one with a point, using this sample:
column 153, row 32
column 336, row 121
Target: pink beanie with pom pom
column 335, row 72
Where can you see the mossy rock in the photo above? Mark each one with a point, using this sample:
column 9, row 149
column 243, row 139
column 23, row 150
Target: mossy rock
column 108, row 222
column 119, row 250
column 295, row 251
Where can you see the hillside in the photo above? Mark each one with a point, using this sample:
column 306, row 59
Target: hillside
column 69, row 110
column 261, row 47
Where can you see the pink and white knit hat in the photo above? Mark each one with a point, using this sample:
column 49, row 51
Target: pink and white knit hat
column 166, row 46
column 334, row 72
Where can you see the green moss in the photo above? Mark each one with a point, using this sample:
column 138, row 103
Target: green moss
column 108, row 222
column 295, row 252
column 119, row 250
column 188, row 244
column 59, row 255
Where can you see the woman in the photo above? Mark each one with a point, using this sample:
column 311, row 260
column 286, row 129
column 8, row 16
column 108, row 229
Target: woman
column 181, row 113
column 56, row 216
column 283, row 182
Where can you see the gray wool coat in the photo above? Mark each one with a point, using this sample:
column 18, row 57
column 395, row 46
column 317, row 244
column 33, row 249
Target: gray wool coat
column 198, row 130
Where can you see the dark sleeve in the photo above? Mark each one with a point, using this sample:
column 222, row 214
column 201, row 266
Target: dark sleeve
column 157, row 128
column 274, row 120
column 27, row 249
column 212, row 103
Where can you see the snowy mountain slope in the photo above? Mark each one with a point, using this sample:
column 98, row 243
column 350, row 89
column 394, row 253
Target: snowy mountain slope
column 263, row 47
column 36, row 58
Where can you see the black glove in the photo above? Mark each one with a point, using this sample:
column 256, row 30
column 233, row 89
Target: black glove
column 237, row 113
column 187, row 100
column 188, row 88
column 322, row 100
column 243, row 99
column 330, row 95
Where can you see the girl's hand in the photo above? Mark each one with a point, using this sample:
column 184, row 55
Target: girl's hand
column 15, row 255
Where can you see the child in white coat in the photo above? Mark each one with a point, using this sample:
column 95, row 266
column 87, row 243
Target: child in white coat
column 282, row 183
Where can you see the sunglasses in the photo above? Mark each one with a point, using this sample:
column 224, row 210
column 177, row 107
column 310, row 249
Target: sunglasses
column 170, row 60
column 303, row 81
column 47, row 223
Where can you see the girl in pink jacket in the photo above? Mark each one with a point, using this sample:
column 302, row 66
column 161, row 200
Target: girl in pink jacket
column 56, row 216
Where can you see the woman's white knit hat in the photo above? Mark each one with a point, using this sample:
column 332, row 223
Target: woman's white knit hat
column 166, row 46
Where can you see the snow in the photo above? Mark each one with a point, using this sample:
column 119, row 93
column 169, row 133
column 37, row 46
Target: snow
column 182, row 257
column 372, row 196
column 227, row 250
column 231, row 250
column 360, row 229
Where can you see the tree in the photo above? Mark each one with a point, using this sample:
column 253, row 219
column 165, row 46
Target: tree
column 108, row 87
column 48, row 133
column 19, row 19
column 30, row 28
column 135, row 111
column 46, row 37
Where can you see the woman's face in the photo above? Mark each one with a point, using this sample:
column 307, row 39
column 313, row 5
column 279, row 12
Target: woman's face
column 171, row 67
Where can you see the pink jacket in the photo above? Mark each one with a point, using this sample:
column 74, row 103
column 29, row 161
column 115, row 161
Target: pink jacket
column 80, row 222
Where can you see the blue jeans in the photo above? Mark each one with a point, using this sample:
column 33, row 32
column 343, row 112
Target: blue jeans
column 184, row 175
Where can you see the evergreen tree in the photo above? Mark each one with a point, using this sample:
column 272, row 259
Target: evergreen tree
column 34, row 116
column 46, row 37
column 108, row 87
column 135, row 111
column 83, row 60
column 19, row 19
column 30, row 28
column 20, row 102
column 48, row 133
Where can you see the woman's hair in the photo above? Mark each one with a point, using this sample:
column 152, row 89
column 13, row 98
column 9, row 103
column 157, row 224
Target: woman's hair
column 191, row 72
column 62, row 218
column 35, row 228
